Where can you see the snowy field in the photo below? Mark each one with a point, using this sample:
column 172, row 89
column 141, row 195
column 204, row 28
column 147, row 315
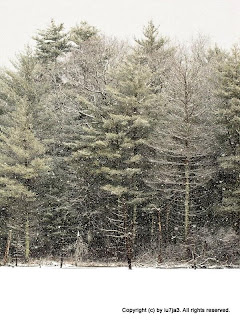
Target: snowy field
column 49, row 293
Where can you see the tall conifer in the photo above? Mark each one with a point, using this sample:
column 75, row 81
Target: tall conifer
column 229, row 117
column 114, row 150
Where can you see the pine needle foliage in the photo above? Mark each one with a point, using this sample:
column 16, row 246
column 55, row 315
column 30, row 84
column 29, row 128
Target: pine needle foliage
column 51, row 43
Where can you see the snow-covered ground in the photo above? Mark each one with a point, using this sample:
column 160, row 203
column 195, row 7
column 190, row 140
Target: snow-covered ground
column 51, row 293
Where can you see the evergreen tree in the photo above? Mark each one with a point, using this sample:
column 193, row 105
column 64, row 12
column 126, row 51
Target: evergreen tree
column 151, row 42
column 113, row 152
column 22, row 162
column 155, row 51
column 85, row 75
column 21, row 127
column 82, row 32
column 229, row 117
column 51, row 43
column 25, row 82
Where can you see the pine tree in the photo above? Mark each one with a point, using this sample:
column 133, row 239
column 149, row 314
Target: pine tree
column 113, row 152
column 21, row 94
column 86, row 73
column 82, row 32
column 22, row 162
column 51, row 43
column 24, row 82
column 151, row 42
column 229, row 118
column 155, row 51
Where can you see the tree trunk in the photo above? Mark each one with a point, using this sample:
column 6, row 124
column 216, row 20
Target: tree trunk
column 167, row 224
column 134, row 224
column 159, row 238
column 7, row 247
column 27, row 240
column 77, row 254
column 186, row 204
column 128, row 242
column 152, row 231
column 61, row 261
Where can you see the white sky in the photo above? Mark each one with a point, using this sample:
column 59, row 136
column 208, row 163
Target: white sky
column 178, row 19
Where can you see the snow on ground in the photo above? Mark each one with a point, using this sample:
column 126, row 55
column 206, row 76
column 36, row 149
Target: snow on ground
column 50, row 293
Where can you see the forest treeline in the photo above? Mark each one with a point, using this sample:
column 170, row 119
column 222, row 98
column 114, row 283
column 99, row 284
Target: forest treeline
column 120, row 152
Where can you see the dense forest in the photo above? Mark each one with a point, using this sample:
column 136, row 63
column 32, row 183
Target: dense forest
column 119, row 152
